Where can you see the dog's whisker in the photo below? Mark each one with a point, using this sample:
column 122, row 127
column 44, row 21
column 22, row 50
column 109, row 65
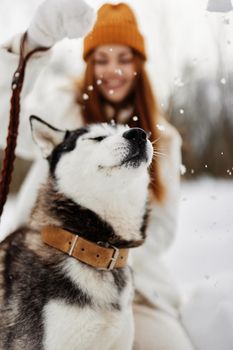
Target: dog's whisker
column 157, row 153
column 156, row 140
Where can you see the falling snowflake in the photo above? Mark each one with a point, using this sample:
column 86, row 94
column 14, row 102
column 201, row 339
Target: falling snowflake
column 178, row 82
column 222, row 153
column 181, row 111
column 182, row 169
column 135, row 118
column 111, row 49
column 90, row 88
column 223, row 81
column 160, row 127
column 99, row 82
column 206, row 166
column 135, row 73
column 192, row 171
column 111, row 92
column 85, row 96
column 119, row 71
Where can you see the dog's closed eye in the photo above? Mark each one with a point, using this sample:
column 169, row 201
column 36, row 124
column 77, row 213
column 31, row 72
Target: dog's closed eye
column 98, row 139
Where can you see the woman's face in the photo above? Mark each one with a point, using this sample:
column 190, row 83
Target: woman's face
column 114, row 71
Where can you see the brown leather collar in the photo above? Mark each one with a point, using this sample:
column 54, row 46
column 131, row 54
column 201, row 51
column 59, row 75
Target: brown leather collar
column 88, row 252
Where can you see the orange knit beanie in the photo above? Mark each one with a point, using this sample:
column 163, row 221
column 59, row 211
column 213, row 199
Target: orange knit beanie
column 116, row 24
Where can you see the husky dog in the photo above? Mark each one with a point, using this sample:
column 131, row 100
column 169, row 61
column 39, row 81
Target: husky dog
column 64, row 279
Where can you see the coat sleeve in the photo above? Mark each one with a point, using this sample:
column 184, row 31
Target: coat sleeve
column 9, row 59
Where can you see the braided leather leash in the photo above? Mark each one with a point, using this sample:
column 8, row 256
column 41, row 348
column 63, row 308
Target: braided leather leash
column 9, row 155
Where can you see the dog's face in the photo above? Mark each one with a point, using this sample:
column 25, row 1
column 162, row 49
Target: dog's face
column 95, row 161
column 109, row 149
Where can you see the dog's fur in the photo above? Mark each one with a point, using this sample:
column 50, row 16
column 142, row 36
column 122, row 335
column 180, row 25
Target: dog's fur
column 96, row 188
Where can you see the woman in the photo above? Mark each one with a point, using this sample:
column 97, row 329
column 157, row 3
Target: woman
column 116, row 88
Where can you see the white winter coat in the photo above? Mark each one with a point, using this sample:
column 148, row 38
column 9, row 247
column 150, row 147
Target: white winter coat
column 55, row 102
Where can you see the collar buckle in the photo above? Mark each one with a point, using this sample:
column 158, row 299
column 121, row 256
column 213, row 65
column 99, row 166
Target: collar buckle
column 114, row 258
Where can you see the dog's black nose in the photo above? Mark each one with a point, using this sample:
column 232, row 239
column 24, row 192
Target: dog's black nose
column 136, row 134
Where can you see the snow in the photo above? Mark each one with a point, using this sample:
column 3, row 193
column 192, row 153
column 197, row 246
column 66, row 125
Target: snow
column 201, row 261
column 204, row 243
column 182, row 169
column 85, row 96
column 90, row 88
column 160, row 127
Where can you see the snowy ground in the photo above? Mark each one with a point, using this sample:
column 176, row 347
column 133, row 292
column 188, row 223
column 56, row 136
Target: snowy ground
column 201, row 260
column 204, row 245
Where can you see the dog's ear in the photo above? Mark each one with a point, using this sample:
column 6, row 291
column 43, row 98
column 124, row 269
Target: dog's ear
column 45, row 135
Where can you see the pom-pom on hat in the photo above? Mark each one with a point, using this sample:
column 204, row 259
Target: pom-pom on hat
column 116, row 24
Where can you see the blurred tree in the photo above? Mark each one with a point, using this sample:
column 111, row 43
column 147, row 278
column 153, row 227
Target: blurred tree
column 202, row 111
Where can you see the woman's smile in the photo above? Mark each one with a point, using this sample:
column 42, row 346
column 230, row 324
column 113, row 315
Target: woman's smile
column 115, row 66
column 114, row 83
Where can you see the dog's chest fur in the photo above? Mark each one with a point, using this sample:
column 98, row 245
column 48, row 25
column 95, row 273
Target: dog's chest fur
column 52, row 301
column 108, row 313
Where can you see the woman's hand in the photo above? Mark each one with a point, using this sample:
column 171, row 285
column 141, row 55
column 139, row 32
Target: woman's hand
column 58, row 19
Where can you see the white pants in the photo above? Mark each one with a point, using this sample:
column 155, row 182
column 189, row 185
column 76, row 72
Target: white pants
column 157, row 330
